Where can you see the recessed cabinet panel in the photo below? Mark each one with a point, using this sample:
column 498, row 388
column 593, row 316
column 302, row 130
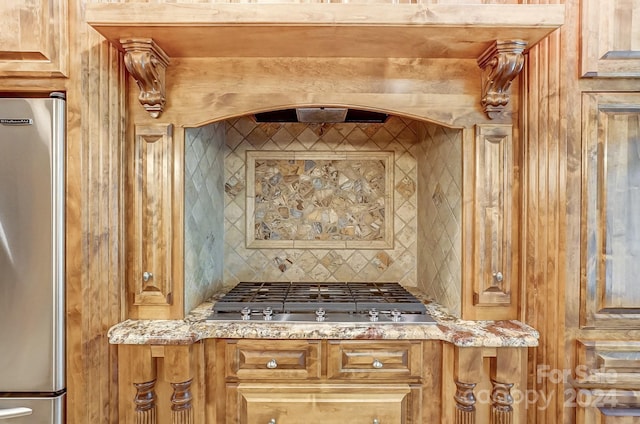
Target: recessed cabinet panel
column 330, row 404
column 370, row 360
column 608, row 364
column 611, row 234
column 33, row 40
column 610, row 40
column 605, row 406
column 150, row 274
column 266, row 360
column 493, row 226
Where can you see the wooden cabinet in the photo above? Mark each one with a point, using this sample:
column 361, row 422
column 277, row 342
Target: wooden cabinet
column 352, row 360
column 491, row 257
column 607, row 372
column 328, row 381
column 327, row 403
column 611, row 235
column 151, row 271
column 34, row 38
column 610, row 46
column 265, row 360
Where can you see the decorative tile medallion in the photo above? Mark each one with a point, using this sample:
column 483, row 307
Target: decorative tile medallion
column 303, row 199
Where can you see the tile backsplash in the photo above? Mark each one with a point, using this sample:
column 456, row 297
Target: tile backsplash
column 440, row 217
column 203, row 218
column 395, row 264
column 427, row 178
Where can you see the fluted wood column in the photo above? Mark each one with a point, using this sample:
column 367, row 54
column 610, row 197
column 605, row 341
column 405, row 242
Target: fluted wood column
column 181, row 368
column 145, row 401
column 138, row 402
column 501, row 403
column 465, row 403
column 182, row 403
column 508, row 373
column 468, row 373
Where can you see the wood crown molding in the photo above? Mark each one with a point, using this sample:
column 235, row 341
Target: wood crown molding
column 147, row 63
column 500, row 64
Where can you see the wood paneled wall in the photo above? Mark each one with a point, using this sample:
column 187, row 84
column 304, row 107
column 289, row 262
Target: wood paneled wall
column 544, row 156
column 95, row 187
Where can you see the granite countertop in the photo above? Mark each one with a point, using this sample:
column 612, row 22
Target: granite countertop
column 505, row 333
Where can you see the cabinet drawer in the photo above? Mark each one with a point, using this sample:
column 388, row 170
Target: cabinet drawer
column 293, row 404
column 272, row 359
column 374, row 360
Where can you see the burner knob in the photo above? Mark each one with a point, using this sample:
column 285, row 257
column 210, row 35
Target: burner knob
column 373, row 315
column 245, row 313
column 320, row 314
column 267, row 313
column 396, row 315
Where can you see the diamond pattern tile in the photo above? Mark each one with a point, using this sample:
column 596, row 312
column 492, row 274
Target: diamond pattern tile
column 204, row 214
column 439, row 227
column 319, row 265
column 427, row 250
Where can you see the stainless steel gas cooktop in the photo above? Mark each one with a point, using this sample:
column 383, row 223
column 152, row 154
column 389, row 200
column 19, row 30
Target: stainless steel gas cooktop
column 320, row 302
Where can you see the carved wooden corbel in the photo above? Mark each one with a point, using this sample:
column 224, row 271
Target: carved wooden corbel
column 500, row 64
column 147, row 63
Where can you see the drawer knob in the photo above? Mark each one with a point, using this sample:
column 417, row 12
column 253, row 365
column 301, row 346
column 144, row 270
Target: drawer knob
column 272, row 364
column 146, row 276
column 375, row 421
column 498, row 277
column 377, row 364
column 272, row 421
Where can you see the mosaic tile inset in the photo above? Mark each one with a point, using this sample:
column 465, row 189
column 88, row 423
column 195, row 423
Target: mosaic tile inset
column 299, row 199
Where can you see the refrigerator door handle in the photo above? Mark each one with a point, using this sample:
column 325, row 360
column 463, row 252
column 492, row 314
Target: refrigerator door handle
column 5, row 414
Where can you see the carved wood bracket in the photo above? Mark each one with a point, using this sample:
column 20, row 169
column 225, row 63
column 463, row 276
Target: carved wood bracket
column 147, row 63
column 500, row 64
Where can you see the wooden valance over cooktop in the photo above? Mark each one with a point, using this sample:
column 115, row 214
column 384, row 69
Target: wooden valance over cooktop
column 324, row 29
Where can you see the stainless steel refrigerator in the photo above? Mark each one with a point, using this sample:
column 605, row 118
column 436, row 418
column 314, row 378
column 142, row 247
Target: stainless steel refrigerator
column 32, row 330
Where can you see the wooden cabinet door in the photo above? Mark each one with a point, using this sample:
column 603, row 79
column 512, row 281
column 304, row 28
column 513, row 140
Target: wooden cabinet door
column 607, row 369
column 610, row 45
column 33, row 40
column 327, row 404
column 491, row 291
column 150, row 225
column 611, row 234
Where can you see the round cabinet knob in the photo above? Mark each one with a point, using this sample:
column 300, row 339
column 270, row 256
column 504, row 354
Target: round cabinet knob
column 146, row 276
column 377, row 364
column 272, row 364
column 272, row 421
column 498, row 277
column 375, row 421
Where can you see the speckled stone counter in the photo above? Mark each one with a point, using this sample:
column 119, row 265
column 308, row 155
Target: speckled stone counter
column 447, row 328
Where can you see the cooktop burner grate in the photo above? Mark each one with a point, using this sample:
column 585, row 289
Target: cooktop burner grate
column 308, row 297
